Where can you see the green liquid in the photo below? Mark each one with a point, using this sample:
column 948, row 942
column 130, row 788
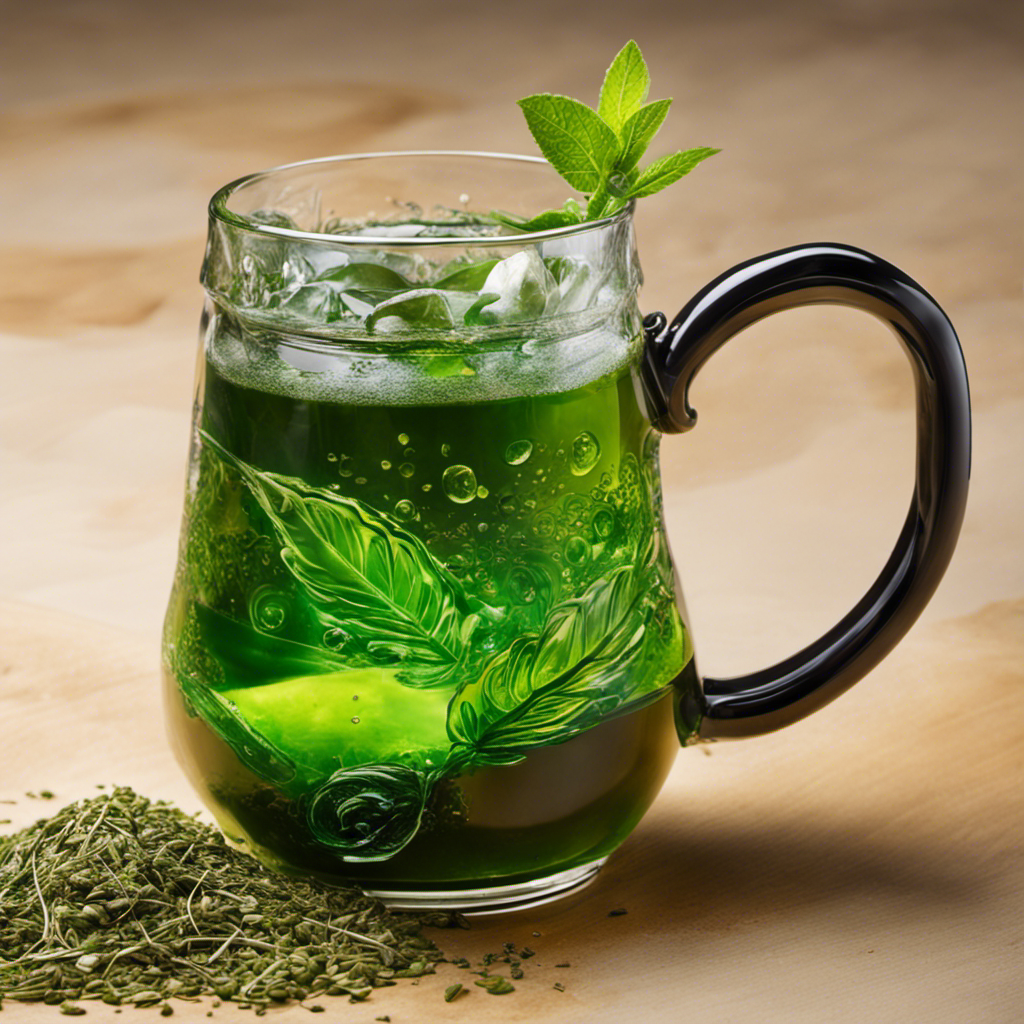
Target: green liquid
column 422, row 643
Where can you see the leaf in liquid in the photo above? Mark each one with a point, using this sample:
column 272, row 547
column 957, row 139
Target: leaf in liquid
column 469, row 278
column 365, row 575
column 421, row 307
column 551, row 686
column 366, row 277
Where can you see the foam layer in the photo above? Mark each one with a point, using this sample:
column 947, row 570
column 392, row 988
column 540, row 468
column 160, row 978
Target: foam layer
column 570, row 353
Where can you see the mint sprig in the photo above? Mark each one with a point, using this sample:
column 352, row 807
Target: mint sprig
column 598, row 152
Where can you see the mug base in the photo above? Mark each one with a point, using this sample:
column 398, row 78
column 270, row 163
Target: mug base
column 494, row 899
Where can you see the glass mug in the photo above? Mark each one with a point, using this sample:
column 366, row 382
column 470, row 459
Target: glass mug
column 425, row 634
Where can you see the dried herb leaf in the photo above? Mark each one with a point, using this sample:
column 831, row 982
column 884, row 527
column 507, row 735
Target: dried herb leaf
column 123, row 900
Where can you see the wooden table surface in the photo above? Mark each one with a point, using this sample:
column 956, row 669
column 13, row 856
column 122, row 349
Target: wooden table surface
column 863, row 865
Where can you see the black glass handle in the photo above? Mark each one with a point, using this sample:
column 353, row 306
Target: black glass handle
column 809, row 275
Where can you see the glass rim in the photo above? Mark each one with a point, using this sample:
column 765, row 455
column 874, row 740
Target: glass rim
column 219, row 210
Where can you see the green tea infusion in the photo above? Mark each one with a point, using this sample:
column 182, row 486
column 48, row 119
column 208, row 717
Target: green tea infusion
column 424, row 630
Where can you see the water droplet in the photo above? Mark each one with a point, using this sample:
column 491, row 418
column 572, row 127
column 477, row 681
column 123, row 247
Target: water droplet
column 384, row 464
column 405, row 510
column 345, row 465
column 482, row 492
column 426, row 487
column 577, row 550
column 407, row 469
column 360, row 479
column 521, row 585
column 518, row 452
column 355, row 719
column 482, row 527
column 331, row 457
column 403, row 438
column 446, row 450
column 459, row 483
column 585, row 453
column 603, row 523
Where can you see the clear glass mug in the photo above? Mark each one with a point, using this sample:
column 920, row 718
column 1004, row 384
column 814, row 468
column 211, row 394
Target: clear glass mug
column 425, row 634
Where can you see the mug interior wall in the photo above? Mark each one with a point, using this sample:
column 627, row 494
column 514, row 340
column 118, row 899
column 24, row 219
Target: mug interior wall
column 379, row 186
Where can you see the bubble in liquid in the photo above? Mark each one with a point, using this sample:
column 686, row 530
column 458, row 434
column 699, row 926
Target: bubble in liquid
column 577, row 550
column 522, row 586
column 335, row 638
column 331, row 457
column 585, row 453
column 459, row 483
column 384, row 464
column 360, row 479
column 405, row 510
column 426, row 487
column 544, row 525
column 403, row 438
column 603, row 523
column 482, row 527
column 482, row 492
column 268, row 609
column 409, row 452
column 355, row 719
column 345, row 465
column 518, row 452
column 446, row 450
column 507, row 505
column 407, row 469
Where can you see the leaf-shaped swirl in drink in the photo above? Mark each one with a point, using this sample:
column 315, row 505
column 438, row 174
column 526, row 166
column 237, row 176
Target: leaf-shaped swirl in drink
column 549, row 687
column 371, row 579
column 368, row 813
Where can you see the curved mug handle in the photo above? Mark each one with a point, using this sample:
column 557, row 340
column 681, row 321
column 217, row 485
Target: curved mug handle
column 811, row 275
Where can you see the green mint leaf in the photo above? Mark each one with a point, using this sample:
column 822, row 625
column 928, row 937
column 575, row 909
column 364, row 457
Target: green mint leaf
column 668, row 169
column 421, row 307
column 637, row 133
column 367, row 276
column 625, row 87
column 469, row 278
column 599, row 152
column 568, row 214
column 549, row 219
column 575, row 141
